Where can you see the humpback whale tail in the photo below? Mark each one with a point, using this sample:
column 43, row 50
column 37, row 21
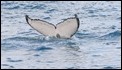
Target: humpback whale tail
column 65, row 29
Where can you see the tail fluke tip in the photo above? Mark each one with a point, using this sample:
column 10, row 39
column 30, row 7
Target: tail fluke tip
column 76, row 16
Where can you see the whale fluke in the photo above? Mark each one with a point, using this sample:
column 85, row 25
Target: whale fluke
column 65, row 29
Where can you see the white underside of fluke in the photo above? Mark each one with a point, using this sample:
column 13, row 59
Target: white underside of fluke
column 65, row 29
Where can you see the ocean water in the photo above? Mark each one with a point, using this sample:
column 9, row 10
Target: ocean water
column 96, row 44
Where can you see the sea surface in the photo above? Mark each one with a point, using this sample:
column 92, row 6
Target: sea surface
column 96, row 44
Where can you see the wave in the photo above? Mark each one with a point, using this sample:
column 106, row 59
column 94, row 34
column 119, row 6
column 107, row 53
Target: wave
column 16, row 5
column 113, row 35
column 42, row 48
column 30, row 42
